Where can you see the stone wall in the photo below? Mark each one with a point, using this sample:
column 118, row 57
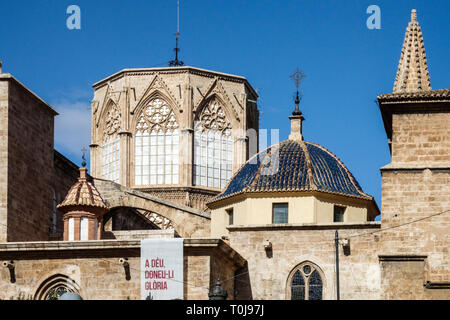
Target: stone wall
column 415, row 204
column 3, row 158
column 403, row 278
column 421, row 139
column 98, row 275
column 294, row 244
column 414, row 195
column 30, row 165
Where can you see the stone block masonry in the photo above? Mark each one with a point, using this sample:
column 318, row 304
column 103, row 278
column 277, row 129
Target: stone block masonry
column 94, row 270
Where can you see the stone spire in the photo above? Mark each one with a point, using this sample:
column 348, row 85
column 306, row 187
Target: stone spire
column 412, row 74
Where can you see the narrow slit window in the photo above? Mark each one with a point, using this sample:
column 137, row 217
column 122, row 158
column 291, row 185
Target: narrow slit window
column 230, row 214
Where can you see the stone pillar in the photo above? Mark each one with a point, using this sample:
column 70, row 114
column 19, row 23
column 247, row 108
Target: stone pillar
column 95, row 157
column 77, row 228
column 187, row 139
column 124, row 158
column 91, row 233
column 66, row 229
column 240, row 151
column 296, row 128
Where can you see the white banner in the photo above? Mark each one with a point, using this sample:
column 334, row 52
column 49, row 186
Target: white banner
column 162, row 269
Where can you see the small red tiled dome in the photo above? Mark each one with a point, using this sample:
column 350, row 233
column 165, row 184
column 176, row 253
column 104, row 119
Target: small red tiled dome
column 82, row 194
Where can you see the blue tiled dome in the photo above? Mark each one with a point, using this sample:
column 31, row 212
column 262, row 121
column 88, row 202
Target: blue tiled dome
column 294, row 166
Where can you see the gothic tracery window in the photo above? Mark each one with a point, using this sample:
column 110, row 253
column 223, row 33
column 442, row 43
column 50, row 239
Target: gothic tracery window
column 55, row 286
column 157, row 145
column 213, row 148
column 110, row 148
column 306, row 283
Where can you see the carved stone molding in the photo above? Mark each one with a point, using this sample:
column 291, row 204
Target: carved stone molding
column 157, row 115
column 160, row 221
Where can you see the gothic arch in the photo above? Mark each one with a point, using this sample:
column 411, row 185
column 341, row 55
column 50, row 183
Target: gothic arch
column 110, row 103
column 214, row 145
column 54, row 286
column 314, row 272
column 223, row 105
column 155, row 94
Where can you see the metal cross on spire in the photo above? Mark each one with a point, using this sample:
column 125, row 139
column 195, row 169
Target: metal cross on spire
column 297, row 76
column 176, row 62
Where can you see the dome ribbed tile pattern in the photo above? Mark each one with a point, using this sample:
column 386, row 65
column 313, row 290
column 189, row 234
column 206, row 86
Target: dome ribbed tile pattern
column 83, row 193
column 294, row 166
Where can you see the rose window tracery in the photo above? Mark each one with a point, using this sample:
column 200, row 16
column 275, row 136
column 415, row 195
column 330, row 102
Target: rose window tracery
column 112, row 121
column 158, row 113
column 213, row 117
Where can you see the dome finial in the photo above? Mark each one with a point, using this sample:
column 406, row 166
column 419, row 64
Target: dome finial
column 297, row 76
column 297, row 117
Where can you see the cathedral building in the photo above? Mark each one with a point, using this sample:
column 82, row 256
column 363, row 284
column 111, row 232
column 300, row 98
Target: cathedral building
column 176, row 133
column 172, row 156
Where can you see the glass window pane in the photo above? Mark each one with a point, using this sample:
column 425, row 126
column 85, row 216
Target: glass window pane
column 298, row 287
column 315, row 286
column 339, row 214
column 280, row 213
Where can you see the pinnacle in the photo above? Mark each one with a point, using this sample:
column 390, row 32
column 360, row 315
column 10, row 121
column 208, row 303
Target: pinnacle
column 412, row 74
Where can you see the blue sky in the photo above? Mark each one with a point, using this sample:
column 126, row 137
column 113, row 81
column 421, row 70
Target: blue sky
column 346, row 64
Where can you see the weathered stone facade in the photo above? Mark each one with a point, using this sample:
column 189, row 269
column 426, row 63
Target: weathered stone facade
column 29, row 176
column 421, row 139
column 292, row 245
column 414, row 255
column 93, row 270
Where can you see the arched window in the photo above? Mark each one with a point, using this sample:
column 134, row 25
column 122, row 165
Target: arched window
column 110, row 147
column 305, row 283
column 156, row 145
column 55, row 286
column 213, row 148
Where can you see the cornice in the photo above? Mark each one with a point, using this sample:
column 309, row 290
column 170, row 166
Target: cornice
column 174, row 70
column 307, row 226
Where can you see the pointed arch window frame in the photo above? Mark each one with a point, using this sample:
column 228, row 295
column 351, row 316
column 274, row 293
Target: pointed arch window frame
column 213, row 145
column 111, row 142
column 306, row 278
column 156, row 143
